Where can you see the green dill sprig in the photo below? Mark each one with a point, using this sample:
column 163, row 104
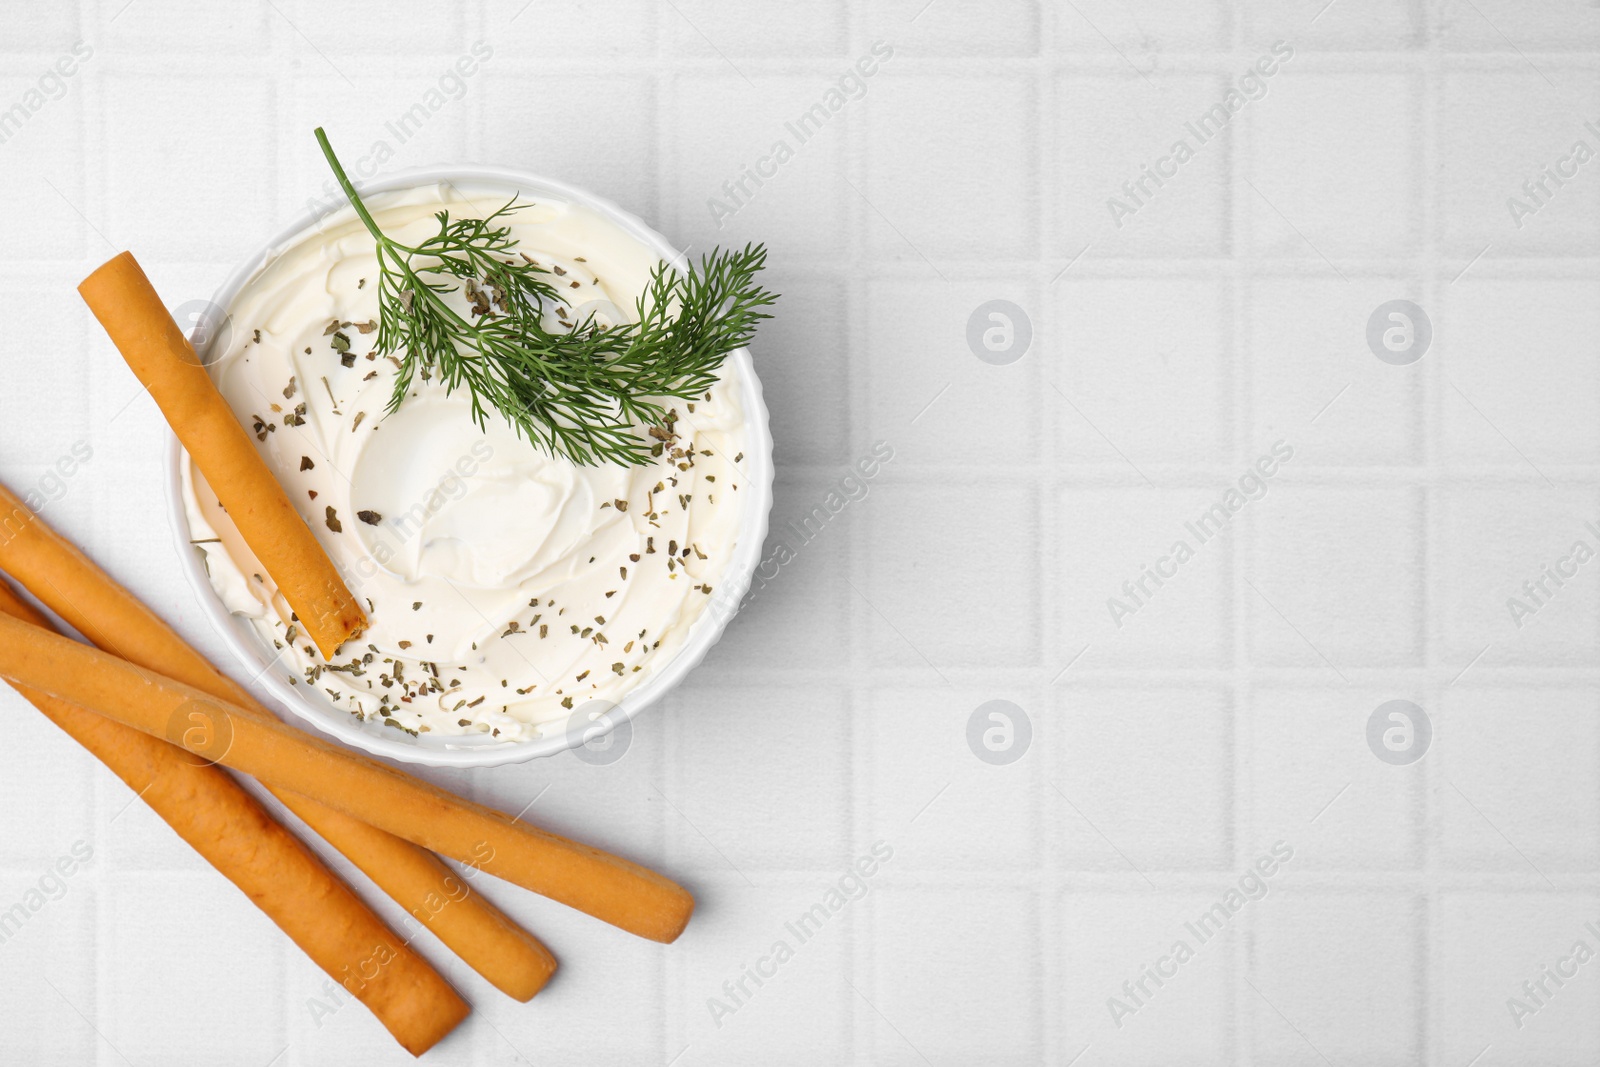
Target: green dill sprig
column 582, row 393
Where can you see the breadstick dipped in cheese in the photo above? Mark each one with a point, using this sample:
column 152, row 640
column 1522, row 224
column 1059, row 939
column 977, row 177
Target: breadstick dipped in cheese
column 70, row 584
column 609, row 888
column 236, row 835
column 122, row 298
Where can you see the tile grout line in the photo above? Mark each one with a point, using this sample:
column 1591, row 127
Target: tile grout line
column 1426, row 84
column 860, row 963
column 1051, row 899
column 1240, row 150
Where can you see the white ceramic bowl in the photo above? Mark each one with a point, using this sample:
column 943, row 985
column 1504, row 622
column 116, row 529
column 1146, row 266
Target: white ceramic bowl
column 256, row 657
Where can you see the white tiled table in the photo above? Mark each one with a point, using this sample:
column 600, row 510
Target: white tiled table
column 1227, row 713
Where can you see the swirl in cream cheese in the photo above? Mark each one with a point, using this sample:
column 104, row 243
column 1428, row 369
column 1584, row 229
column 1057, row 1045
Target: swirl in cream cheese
column 506, row 589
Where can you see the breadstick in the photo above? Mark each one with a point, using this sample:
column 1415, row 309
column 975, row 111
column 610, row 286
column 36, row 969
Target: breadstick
column 70, row 584
column 122, row 298
column 609, row 888
column 283, row 878
column 490, row 942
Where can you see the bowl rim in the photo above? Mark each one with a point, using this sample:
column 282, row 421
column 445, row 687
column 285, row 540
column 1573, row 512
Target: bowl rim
column 253, row 655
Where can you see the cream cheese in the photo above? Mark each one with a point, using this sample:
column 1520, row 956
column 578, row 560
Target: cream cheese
column 506, row 590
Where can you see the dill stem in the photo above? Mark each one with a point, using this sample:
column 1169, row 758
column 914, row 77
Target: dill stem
column 349, row 188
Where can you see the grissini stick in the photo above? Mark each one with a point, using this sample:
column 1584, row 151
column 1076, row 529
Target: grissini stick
column 129, row 308
column 232, row 831
column 602, row 885
column 487, row 940
column 69, row 583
